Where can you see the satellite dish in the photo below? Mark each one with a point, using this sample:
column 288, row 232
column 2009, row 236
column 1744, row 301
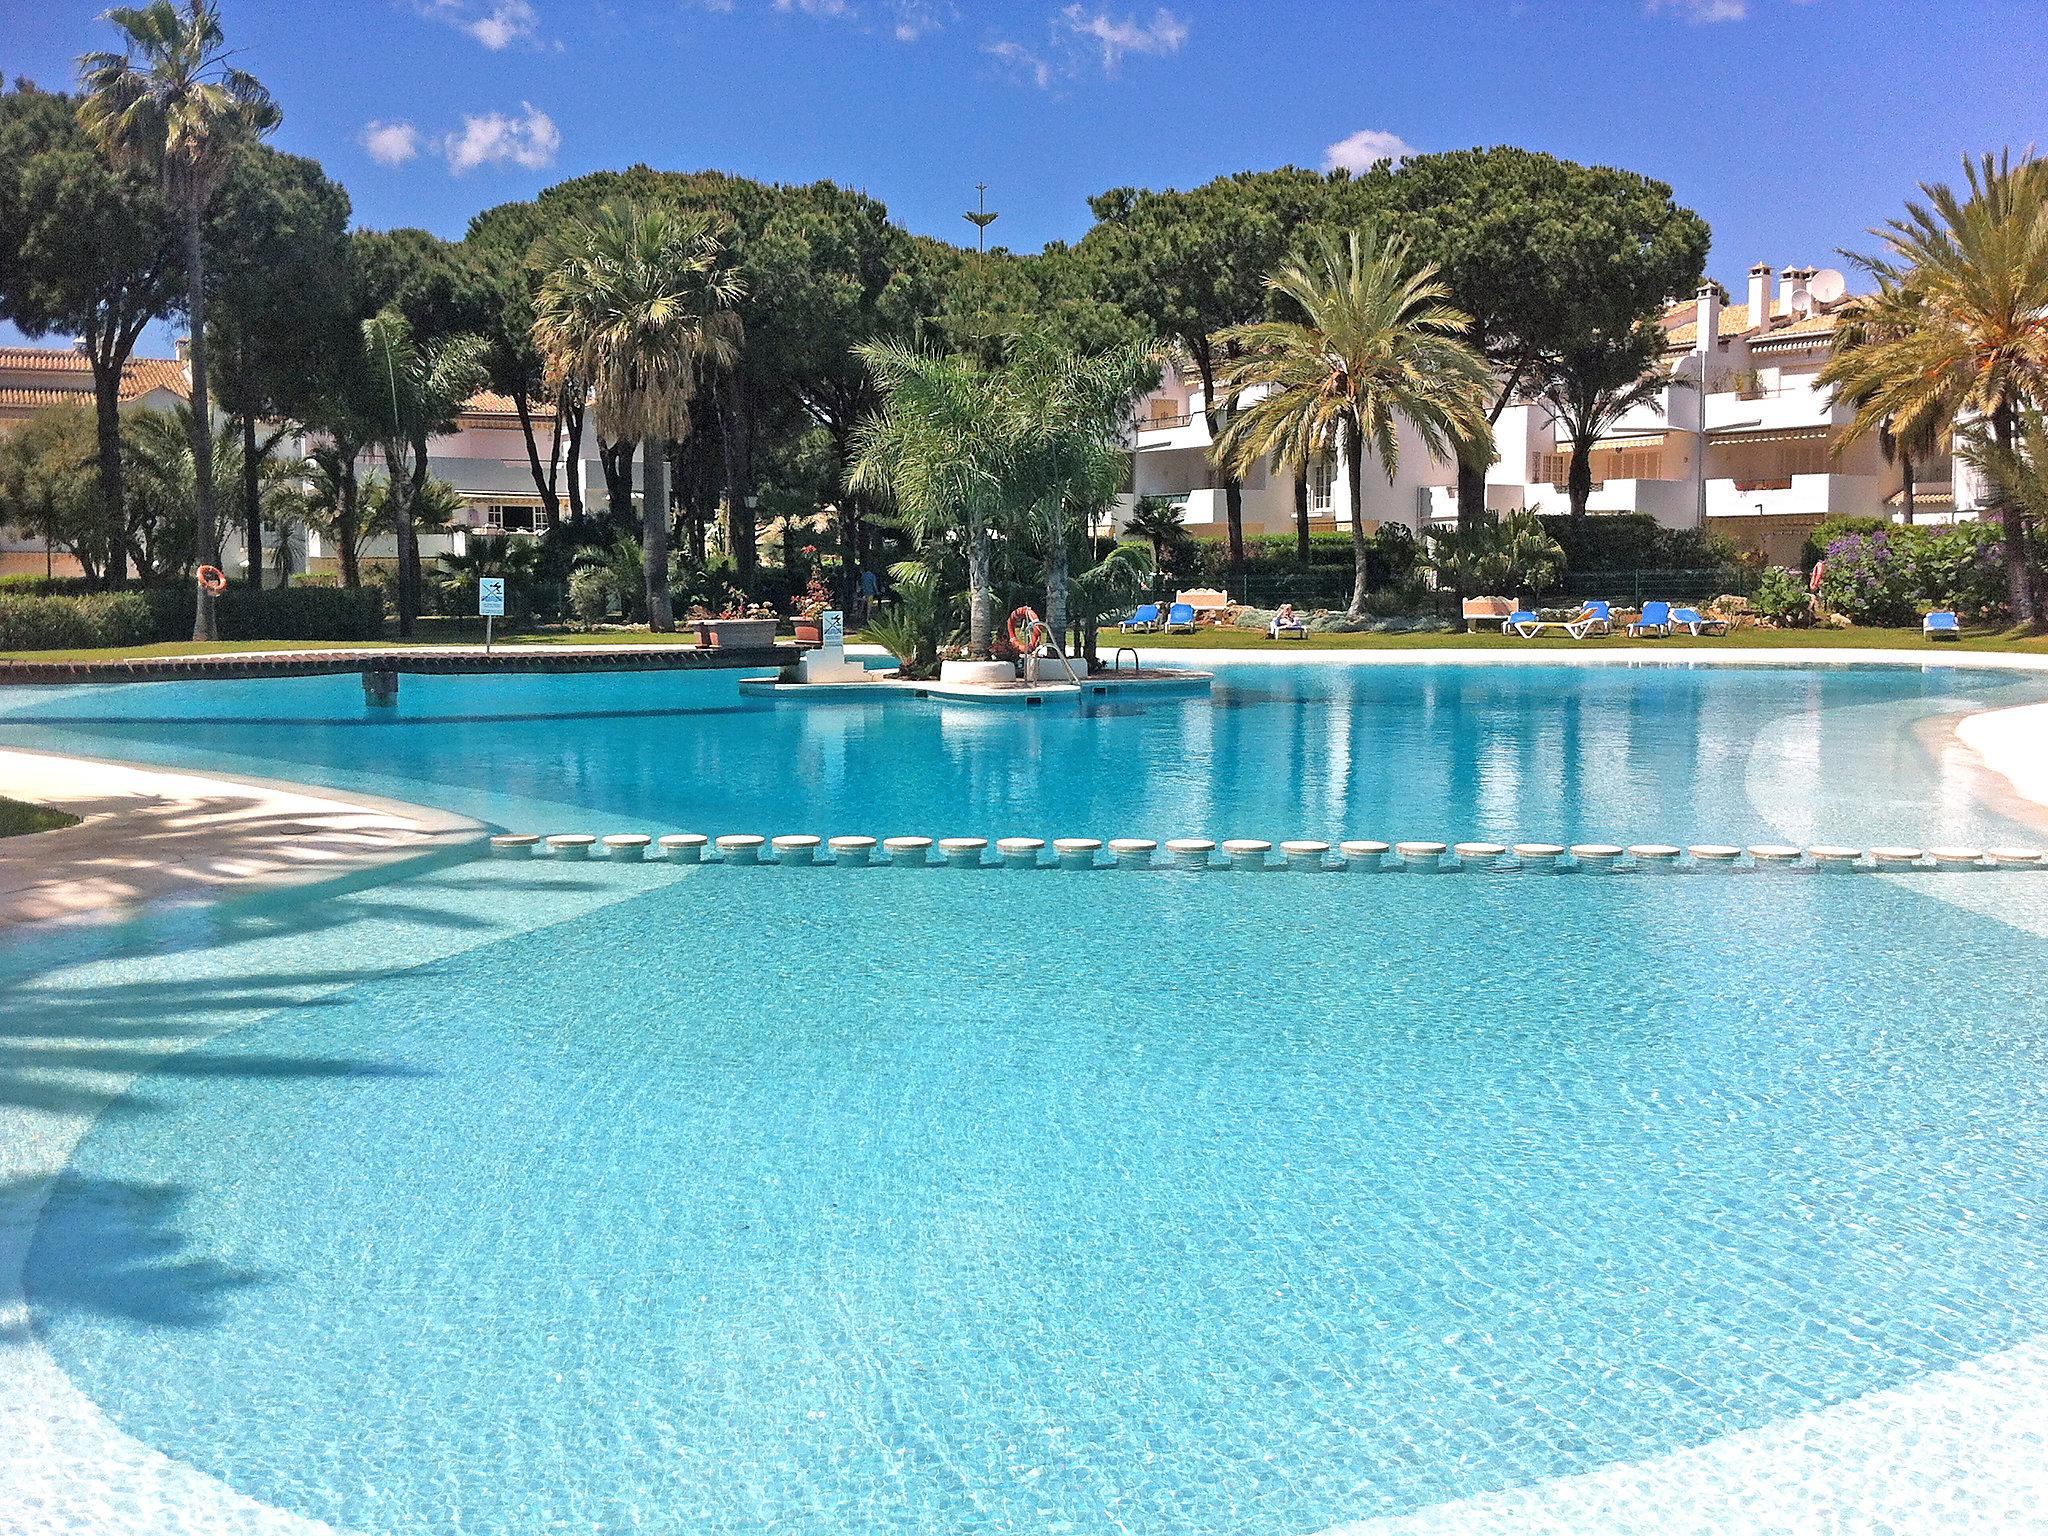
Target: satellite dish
column 1827, row 285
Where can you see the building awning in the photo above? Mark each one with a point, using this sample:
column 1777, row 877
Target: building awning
column 1635, row 440
column 1930, row 496
column 1780, row 435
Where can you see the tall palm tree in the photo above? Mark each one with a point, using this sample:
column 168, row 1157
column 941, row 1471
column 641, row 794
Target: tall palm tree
column 641, row 304
column 1591, row 386
column 171, row 102
column 1380, row 344
column 938, row 451
column 1889, row 315
column 424, row 386
column 1976, row 266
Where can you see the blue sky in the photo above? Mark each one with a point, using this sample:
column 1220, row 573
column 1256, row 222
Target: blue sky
column 1792, row 125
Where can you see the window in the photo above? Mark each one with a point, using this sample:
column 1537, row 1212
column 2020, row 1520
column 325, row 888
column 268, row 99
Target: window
column 1321, row 475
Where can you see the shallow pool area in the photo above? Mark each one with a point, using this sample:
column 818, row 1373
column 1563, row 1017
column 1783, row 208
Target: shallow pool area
column 535, row 1197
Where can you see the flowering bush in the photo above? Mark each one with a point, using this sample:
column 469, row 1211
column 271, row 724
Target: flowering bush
column 1894, row 575
column 1869, row 578
column 1960, row 567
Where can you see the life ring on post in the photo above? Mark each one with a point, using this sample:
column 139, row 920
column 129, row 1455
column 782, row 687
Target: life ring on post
column 1033, row 628
column 213, row 579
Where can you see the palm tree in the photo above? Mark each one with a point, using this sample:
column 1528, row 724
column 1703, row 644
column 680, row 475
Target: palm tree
column 163, row 474
column 172, row 103
column 641, row 304
column 1889, row 315
column 2018, row 472
column 1067, row 415
column 1495, row 552
column 1161, row 522
column 424, row 386
column 1976, row 269
column 1591, row 386
column 938, row 450
column 1380, row 345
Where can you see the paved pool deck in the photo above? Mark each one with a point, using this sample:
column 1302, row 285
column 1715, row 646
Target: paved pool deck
column 154, row 837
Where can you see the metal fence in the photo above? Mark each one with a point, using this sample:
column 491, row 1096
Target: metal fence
column 1329, row 586
column 1636, row 585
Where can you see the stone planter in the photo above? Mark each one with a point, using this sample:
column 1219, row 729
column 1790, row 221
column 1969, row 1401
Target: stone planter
column 987, row 674
column 736, row 634
column 810, row 632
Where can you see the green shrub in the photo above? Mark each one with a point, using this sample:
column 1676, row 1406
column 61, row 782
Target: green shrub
column 275, row 613
column 1869, row 578
column 1960, row 567
column 1608, row 541
column 1781, row 596
column 75, row 623
column 590, row 594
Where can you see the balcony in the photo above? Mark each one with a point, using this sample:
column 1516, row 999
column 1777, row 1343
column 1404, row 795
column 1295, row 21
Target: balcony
column 1165, row 421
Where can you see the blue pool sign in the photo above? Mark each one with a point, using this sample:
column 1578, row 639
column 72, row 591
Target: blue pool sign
column 490, row 597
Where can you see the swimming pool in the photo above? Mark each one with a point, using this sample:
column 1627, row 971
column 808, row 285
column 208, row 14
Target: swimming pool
column 906, row 1201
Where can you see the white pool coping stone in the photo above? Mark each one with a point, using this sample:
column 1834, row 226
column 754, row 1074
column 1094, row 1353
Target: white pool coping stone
column 740, row 847
column 1076, row 852
column 962, row 852
column 683, row 847
column 1246, row 853
column 910, row 851
column 1020, row 852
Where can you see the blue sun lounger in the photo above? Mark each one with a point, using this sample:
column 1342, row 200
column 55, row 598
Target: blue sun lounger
column 1146, row 619
column 1528, row 625
column 1697, row 622
column 1655, row 616
column 1942, row 624
column 1180, row 616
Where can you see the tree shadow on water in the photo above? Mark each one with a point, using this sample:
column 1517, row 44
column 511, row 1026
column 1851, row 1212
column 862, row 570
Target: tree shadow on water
column 110, row 1248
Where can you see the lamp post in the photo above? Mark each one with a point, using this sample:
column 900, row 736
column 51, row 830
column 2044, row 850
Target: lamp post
column 981, row 217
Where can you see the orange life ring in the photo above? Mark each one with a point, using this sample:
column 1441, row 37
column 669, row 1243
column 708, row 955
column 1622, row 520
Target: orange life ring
column 1032, row 627
column 213, row 578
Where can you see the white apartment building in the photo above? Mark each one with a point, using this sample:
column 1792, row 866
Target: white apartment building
column 483, row 458
column 1776, row 462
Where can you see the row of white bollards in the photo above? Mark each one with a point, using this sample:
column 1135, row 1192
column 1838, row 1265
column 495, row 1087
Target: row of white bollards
column 1300, row 855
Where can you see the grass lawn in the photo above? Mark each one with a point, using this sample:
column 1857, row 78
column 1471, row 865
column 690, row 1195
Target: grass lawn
column 469, row 632
column 431, row 632
column 1490, row 640
column 16, row 818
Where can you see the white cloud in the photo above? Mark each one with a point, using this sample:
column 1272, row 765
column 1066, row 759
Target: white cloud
column 491, row 138
column 1033, row 66
column 390, row 143
column 1079, row 37
column 907, row 20
column 1702, row 11
column 497, row 24
column 1163, row 34
column 1365, row 149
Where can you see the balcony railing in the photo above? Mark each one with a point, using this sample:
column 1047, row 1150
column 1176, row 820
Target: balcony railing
column 1165, row 422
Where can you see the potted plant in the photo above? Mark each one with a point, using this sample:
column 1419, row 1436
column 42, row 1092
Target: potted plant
column 810, row 613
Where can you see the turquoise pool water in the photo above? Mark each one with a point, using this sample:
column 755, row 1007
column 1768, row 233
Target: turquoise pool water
column 918, row 1201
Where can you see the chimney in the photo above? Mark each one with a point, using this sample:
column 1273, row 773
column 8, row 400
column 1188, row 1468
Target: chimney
column 1798, row 301
column 1760, row 296
column 1706, row 318
column 185, row 351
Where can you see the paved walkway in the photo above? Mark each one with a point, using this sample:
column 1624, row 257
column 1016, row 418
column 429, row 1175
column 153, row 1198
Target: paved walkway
column 155, row 836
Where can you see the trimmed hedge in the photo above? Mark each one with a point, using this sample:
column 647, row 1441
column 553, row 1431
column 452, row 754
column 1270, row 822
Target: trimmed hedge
column 275, row 613
column 75, row 623
column 31, row 623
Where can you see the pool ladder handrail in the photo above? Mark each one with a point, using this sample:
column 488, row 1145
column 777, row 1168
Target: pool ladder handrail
column 1116, row 663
